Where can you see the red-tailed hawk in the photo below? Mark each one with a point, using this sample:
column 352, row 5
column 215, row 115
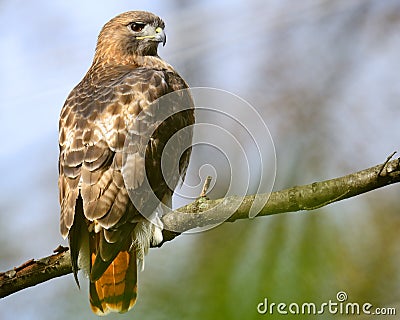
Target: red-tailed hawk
column 111, row 138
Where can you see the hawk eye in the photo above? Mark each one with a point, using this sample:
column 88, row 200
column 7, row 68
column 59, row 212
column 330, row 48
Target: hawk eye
column 137, row 26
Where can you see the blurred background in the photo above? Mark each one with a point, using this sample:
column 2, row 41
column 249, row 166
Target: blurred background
column 323, row 74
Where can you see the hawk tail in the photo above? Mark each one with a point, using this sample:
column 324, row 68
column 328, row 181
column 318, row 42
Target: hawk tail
column 116, row 289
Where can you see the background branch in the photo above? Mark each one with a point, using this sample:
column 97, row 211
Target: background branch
column 205, row 212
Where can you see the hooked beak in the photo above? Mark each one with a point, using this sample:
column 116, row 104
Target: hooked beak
column 160, row 36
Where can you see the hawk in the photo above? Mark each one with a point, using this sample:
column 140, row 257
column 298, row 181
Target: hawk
column 112, row 139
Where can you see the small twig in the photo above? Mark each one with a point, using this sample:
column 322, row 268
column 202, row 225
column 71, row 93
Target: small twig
column 385, row 163
column 206, row 187
column 60, row 249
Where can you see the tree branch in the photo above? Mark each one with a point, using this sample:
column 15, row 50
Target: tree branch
column 33, row 272
column 204, row 212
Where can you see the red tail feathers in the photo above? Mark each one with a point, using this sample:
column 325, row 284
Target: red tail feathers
column 116, row 289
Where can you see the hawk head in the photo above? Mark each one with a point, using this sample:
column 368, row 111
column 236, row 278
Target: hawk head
column 133, row 33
